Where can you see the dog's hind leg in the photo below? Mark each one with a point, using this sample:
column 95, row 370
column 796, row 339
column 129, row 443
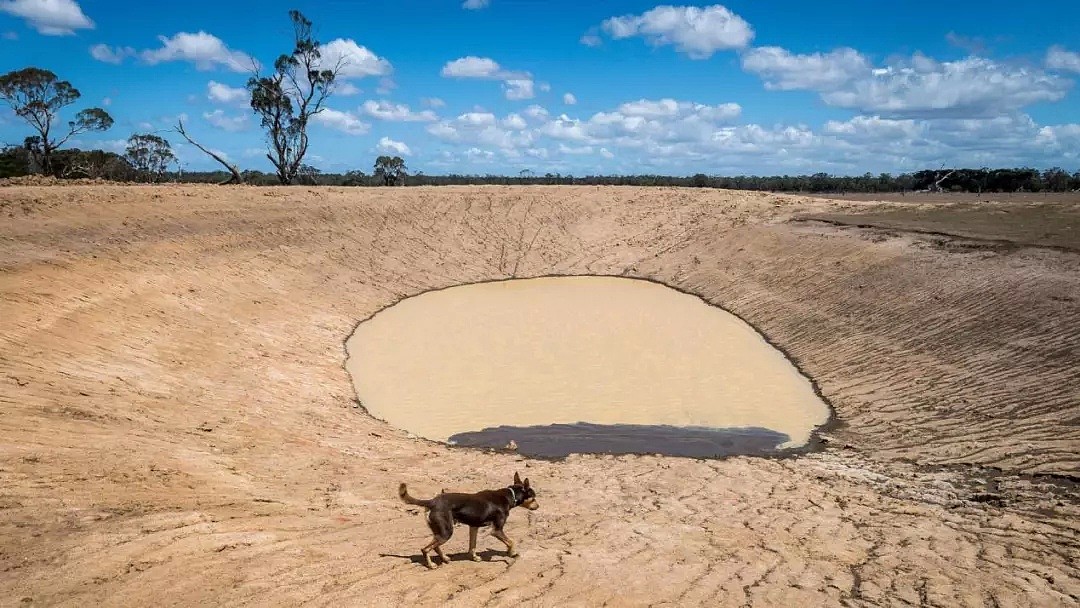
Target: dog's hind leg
column 434, row 546
column 499, row 534
column 472, row 543
column 442, row 556
column 442, row 527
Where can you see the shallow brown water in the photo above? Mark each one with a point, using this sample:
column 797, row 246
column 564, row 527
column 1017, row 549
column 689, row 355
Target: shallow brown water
column 602, row 350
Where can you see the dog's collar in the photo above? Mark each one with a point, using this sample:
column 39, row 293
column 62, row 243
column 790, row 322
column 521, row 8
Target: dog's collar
column 513, row 495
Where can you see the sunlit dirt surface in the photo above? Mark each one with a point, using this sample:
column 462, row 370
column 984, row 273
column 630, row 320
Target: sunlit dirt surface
column 177, row 426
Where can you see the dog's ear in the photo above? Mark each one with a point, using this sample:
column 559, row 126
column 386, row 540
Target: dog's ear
column 526, row 484
column 517, row 479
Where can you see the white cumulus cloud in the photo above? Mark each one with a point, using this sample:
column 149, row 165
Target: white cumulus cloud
column 346, row 122
column 515, row 122
column 478, row 154
column 784, row 70
column 1060, row 135
column 670, row 108
column 356, row 61
column 108, row 54
column 223, row 93
column 473, row 5
column 445, row 132
column 875, row 128
column 681, row 137
column 516, row 85
column 205, row 50
column 518, row 88
column 697, row 31
column 484, row 128
column 483, row 68
column 591, row 39
column 536, row 112
column 389, row 111
column 477, row 119
column 971, row 87
column 1059, row 58
column 919, row 86
column 569, row 99
column 393, row 147
column 49, row 17
column 346, row 89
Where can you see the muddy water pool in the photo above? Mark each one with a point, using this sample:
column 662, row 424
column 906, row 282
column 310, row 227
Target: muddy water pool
column 588, row 363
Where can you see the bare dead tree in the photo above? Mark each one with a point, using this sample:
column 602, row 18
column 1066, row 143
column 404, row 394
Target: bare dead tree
column 236, row 178
column 939, row 180
column 78, row 168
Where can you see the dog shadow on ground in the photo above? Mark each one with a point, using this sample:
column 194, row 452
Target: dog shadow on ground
column 487, row 555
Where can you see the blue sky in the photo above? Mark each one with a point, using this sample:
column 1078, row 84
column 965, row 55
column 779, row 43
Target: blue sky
column 498, row 86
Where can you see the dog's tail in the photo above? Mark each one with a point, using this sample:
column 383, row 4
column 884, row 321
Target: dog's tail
column 403, row 492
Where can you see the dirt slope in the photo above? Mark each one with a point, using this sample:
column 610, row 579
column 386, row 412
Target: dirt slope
column 176, row 426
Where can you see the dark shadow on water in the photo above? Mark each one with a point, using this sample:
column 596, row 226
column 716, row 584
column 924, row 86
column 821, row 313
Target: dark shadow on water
column 560, row 440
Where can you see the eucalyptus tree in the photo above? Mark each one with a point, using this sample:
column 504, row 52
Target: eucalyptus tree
column 149, row 155
column 38, row 96
column 390, row 169
column 288, row 98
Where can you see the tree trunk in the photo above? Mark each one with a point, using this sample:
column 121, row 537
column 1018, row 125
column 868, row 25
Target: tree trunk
column 46, row 162
column 236, row 178
column 282, row 177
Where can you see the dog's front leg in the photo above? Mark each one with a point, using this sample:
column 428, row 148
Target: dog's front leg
column 473, row 530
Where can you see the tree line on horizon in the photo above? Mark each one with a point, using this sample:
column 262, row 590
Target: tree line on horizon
column 395, row 174
column 286, row 100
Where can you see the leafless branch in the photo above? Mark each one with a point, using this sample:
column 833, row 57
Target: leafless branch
column 236, row 177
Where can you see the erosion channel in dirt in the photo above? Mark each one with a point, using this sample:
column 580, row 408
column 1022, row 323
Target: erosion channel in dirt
column 626, row 356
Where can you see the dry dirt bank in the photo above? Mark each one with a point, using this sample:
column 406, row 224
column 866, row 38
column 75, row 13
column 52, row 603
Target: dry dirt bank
column 176, row 427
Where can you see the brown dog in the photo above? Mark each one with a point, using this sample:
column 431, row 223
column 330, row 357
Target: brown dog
column 474, row 510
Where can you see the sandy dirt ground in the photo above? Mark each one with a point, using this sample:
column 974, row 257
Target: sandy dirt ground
column 177, row 427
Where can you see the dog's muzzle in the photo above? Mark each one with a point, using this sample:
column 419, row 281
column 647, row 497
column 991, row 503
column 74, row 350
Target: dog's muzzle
column 531, row 504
